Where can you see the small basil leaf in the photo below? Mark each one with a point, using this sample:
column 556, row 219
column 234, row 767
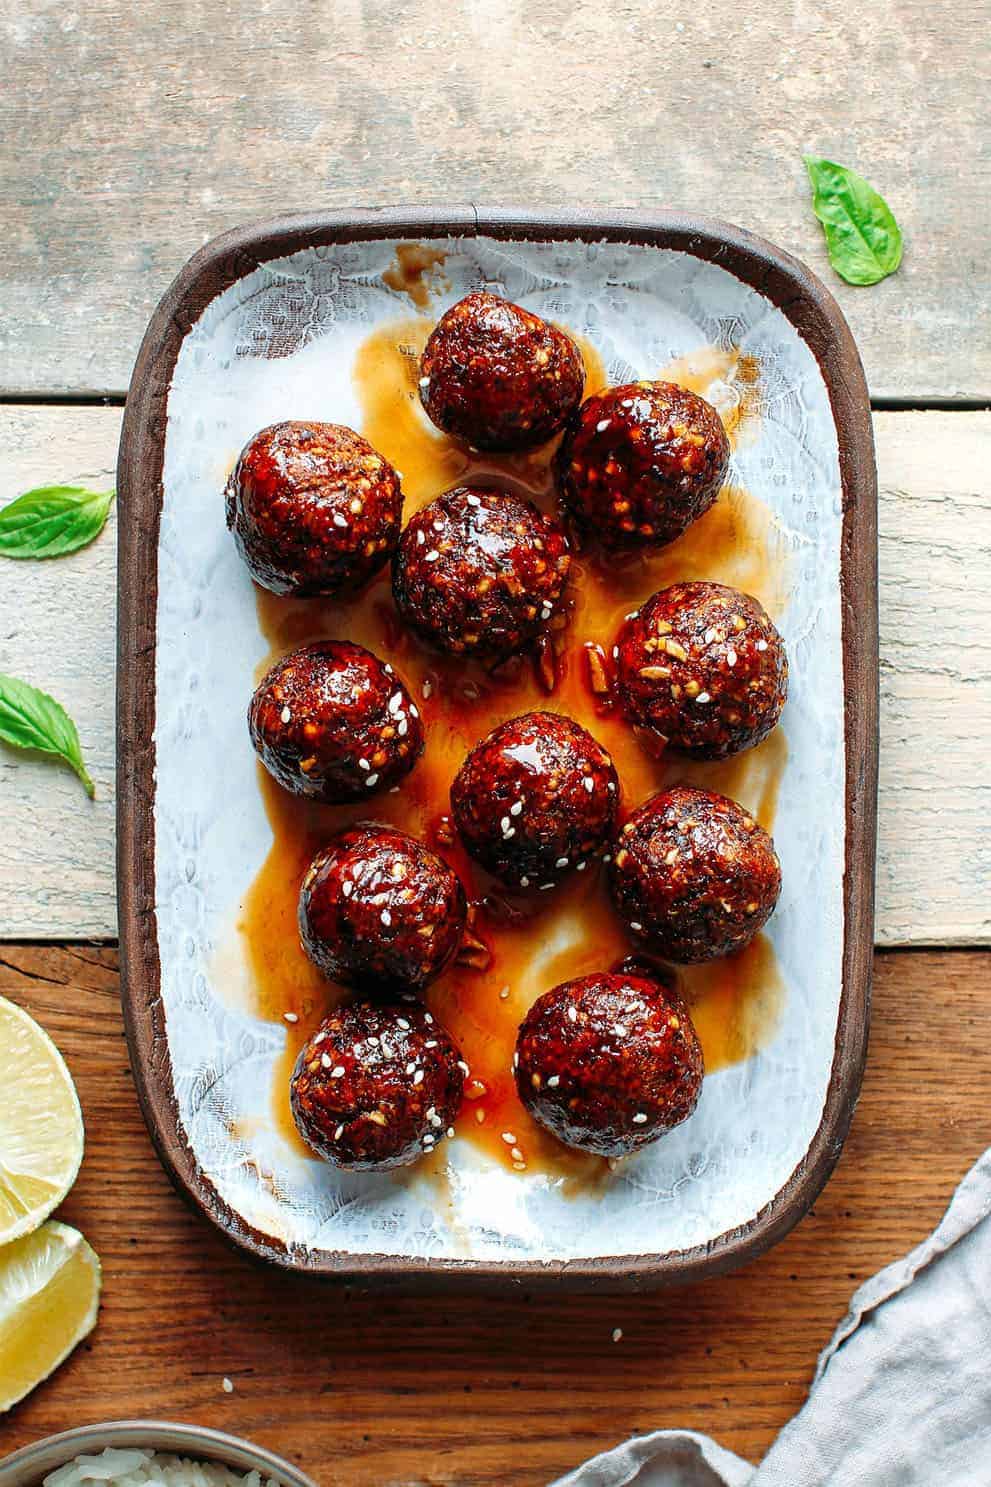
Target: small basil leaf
column 30, row 719
column 862, row 236
column 52, row 520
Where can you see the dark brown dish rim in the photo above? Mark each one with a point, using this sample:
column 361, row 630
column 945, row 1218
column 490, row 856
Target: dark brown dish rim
column 817, row 318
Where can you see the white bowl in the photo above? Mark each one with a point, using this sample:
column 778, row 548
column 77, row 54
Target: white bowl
column 29, row 1466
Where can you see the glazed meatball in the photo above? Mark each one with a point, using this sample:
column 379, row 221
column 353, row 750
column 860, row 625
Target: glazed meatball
column 313, row 508
column 479, row 572
column 497, row 377
column 703, row 666
column 693, row 875
column 535, row 799
column 641, row 462
column 377, row 1086
column 379, row 910
column 609, row 1063
column 333, row 722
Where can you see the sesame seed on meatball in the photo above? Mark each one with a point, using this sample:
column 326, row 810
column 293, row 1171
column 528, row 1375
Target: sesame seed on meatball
column 332, row 722
column 497, row 377
column 535, row 800
column 313, row 508
column 608, row 1063
column 639, row 463
column 693, row 875
column 703, row 666
column 379, row 1085
column 479, row 572
column 380, row 911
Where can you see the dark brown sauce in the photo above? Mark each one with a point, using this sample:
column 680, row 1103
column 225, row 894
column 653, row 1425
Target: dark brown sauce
column 408, row 275
column 534, row 945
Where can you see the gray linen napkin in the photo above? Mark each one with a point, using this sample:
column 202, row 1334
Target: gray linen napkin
column 902, row 1393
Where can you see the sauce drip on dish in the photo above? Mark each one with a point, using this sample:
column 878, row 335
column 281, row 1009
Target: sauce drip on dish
column 530, row 944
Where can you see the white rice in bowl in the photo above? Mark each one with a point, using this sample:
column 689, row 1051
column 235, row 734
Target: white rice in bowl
column 133, row 1468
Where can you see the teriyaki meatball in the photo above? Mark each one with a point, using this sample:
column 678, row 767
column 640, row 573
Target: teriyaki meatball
column 332, row 722
column 313, row 508
column 497, row 377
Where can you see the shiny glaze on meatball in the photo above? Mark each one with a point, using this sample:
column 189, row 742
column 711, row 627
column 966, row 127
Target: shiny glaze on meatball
column 479, row 572
column 608, row 1063
column 497, row 377
column 703, row 666
column 313, row 508
column 693, row 875
column 377, row 1086
column 378, row 910
column 332, row 722
column 639, row 463
column 535, row 800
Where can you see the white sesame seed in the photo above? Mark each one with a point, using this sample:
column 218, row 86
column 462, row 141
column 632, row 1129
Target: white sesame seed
column 372, row 780
column 561, row 862
column 363, row 764
column 632, row 614
column 432, row 556
column 427, row 1016
column 635, row 925
column 450, row 1133
column 545, row 886
column 524, row 882
column 520, row 1166
column 505, row 824
column 337, row 1073
column 516, row 808
column 387, row 669
column 615, row 652
column 403, row 728
column 762, row 645
column 420, row 539
column 427, row 688
column 428, row 1141
column 473, row 501
column 410, row 1068
column 617, row 1334
column 731, row 657
column 509, row 1138
column 401, row 1022
column 516, row 1154
column 703, row 697
column 516, row 1062
column 510, row 831
column 589, row 783
column 611, row 787
column 386, row 917
column 413, row 711
column 228, row 1387
column 339, row 520
column 430, row 1043
column 338, row 1133
column 554, row 1081
column 424, row 382
column 621, row 1030
column 572, row 1014
column 290, row 1017
column 395, row 702
column 436, row 1121
column 504, row 994
column 285, row 715
column 640, row 1119
column 347, row 888
column 463, row 1067
column 326, row 1060
column 602, row 425
column 709, row 636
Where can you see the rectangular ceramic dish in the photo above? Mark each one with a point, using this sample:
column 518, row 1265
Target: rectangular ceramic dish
column 262, row 324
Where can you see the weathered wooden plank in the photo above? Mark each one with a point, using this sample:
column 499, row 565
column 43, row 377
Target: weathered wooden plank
column 934, row 870
column 139, row 132
column 362, row 1390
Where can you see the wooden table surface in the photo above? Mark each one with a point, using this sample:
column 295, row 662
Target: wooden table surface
column 134, row 134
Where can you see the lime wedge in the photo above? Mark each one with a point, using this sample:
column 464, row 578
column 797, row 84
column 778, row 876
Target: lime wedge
column 41, row 1125
column 49, row 1298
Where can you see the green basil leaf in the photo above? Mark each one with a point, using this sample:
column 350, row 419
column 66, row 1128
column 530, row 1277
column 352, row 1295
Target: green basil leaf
column 52, row 520
column 862, row 236
column 30, row 719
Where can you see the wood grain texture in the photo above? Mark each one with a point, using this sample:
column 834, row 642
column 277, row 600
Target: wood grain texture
column 365, row 1390
column 934, row 865
column 152, row 129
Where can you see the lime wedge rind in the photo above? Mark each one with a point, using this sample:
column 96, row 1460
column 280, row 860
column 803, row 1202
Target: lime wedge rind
column 49, row 1301
column 41, row 1125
